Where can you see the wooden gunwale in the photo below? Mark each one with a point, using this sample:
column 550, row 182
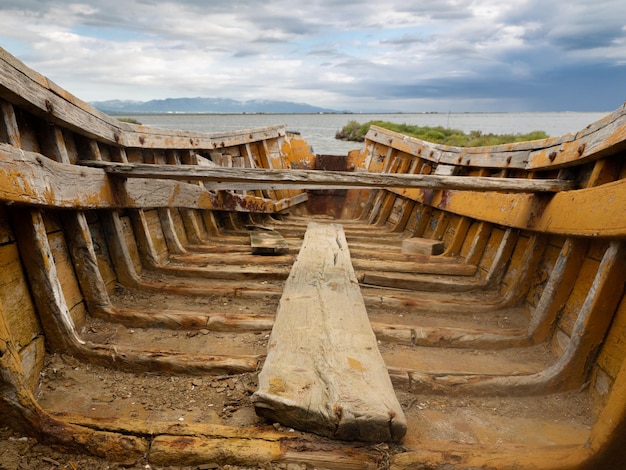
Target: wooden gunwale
column 588, row 144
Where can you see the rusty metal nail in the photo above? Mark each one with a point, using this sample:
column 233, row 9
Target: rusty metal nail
column 552, row 156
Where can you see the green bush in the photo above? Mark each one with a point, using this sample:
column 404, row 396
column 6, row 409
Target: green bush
column 129, row 120
column 354, row 131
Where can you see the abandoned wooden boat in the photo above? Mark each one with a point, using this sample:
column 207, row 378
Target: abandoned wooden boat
column 172, row 298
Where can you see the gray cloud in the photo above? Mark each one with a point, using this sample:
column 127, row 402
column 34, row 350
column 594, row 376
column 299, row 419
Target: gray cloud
column 354, row 54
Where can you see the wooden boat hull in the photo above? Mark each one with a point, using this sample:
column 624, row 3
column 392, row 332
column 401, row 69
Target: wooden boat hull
column 482, row 291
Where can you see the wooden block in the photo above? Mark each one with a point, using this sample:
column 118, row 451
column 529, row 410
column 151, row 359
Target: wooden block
column 422, row 246
column 268, row 242
column 324, row 372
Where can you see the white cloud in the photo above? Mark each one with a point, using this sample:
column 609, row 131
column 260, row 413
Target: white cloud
column 396, row 55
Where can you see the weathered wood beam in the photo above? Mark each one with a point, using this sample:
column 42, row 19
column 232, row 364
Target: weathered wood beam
column 185, row 319
column 195, row 444
column 423, row 282
column 61, row 332
column 268, row 242
column 31, row 178
column 323, row 371
column 576, row 213
column 19, row 405
column 150, row 258
column 33, row 91
column 567, row 372
column 240, row 257
column 442, row 269
column 255, row 178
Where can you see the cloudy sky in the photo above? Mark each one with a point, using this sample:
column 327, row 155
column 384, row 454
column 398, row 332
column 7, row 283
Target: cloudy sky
column 358, row 55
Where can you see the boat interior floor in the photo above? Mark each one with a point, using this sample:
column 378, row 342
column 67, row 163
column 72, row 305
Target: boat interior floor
column 234, row 319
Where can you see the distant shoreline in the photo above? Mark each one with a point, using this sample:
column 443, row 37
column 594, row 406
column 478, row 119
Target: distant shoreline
column 210, row 113
column 319, row 129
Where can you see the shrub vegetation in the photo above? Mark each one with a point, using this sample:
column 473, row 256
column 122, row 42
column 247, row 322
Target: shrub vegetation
column 354, row 131
column 129, row 120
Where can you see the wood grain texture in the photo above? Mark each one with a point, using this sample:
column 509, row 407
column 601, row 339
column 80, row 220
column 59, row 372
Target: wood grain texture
column 323, row 371
column 31, row 178
column 268, row 242
column 262, row 178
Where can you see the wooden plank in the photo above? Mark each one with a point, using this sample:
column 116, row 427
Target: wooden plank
column 422, row 246
column 195, row 451
column 419, row 282
column 31, row 178
column 268, row 242
column 453, row 269
column 255, row 178
column 324, row 372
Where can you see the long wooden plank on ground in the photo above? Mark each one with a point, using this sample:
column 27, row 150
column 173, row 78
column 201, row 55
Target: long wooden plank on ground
column 324, row 372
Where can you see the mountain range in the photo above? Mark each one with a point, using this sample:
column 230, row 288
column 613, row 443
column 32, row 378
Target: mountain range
column 205, row 105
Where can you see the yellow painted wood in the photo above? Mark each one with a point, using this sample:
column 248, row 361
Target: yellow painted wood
column 15, row 297
column 488, row 257
column 131, row 243
column 613, row 351
column 517, row 259
column 65, row 272
column 606, row 442
column 33, row 356
column 105, row 264
column 194, row 451
column 568, row 213
column 156, row 234
column 586, row 275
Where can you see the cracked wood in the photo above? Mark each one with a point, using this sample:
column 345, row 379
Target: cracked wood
column 324, row 372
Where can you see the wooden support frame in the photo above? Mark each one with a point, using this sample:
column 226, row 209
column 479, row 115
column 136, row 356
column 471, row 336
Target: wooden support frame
column 44, row 182
column 570, row 370
column 420, row 282
column 61, row 332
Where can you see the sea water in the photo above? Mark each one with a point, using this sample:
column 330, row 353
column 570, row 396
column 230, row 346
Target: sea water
column 319, row 129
